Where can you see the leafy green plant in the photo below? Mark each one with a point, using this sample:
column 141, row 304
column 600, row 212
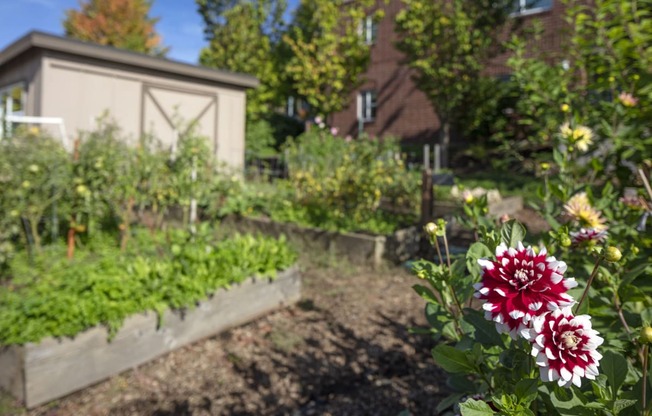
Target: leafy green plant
column 34, row 174
column 348, row 180
column 52, row 296
column 581, row 333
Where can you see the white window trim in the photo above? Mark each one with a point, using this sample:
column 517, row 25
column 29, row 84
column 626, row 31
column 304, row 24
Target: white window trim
column 528, row 12
column 10, row 100
column 365, row 30
column 365, row 95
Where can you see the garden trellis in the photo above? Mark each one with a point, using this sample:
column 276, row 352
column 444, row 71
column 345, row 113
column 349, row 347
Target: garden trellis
column 56, row 121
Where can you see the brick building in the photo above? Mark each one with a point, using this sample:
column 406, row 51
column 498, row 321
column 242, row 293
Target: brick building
column 388, row 102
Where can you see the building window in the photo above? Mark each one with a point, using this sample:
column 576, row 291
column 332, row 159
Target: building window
column 367, row 106
column 296, row 107
column 12, row 102
column 368, row 30
column 12, row 99
column 524, row 7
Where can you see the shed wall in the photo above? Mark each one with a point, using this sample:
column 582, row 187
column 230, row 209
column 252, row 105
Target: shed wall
column 143, row 102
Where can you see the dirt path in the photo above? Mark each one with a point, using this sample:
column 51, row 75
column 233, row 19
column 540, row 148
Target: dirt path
column 343, row 350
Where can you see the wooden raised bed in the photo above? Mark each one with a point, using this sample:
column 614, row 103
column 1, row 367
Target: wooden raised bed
column 400, row 246
column 38, row 373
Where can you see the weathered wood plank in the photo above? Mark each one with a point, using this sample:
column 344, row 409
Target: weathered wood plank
column 356, row 247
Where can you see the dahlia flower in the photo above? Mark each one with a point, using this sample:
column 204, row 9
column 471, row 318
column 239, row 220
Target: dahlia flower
column 627, row 99
column 564, row 347
column 519, row 285
column 580, row 136
column 579, row 209
column 588, row 235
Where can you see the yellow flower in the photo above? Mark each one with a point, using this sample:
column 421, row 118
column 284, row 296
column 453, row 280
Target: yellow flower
column 566, row 130
column 583, row 138
column 580, row 136
column 565, row 108
column 580, row 210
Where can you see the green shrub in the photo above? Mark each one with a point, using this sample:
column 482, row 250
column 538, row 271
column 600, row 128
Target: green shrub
column 343, row 182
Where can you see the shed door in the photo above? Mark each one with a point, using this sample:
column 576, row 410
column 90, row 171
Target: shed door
column 167, row 110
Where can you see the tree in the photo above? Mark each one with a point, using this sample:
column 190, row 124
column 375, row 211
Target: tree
column 448, row 44
column 328, row 55
column 243, row 37
column 124, row 24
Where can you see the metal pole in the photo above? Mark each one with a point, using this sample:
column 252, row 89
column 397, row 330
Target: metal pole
column 426, row 156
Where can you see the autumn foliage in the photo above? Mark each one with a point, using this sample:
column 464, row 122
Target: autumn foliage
column 124, row 24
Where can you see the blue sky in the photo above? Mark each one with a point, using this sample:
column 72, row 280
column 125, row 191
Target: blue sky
column 180, row 25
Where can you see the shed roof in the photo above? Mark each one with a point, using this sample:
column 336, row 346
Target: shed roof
column 45, row 41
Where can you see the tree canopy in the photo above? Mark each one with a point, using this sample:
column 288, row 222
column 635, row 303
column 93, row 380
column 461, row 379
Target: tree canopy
column 125, row 24
column 327, row 52
column 448, row 44
column 243, row 37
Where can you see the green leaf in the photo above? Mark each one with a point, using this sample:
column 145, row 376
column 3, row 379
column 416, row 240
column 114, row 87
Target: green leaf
column 461, row 383
column 485, row 331
column 475, row 408
column 614, row 366
column 621, row 404
column 476, row 251
column 425, row 293
column 512, row 233
column 526, row 390
column 449, row 401
column 451, row 359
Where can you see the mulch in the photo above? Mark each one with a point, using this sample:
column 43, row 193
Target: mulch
column 344, row 349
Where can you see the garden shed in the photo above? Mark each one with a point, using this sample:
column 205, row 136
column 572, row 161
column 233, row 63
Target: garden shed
column 57, row 78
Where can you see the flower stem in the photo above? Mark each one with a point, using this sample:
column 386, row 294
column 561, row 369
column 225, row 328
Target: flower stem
column 619, row 308
column 435, row 243
column 588, row 284
column 450, row 273
column 646, row 351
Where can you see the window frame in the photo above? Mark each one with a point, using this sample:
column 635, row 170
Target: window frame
column 368, row 30
column 367, row 106
column 524, row 11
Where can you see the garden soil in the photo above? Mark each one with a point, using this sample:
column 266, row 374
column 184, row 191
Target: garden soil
column 344, row 349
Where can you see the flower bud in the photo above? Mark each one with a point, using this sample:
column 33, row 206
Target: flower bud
column 430, row 228
column 646, row 335
column 565, row 241
column 612, row 254
column 565, row 108
column 421, row 274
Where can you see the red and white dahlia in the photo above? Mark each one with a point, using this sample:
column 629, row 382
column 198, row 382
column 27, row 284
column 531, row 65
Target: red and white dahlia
column 588, row 235
column 564, row 347
column 521, row 284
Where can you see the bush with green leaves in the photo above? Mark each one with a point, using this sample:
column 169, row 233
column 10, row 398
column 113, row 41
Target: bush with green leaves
column 341, row 180
column 605, row 81
column 34, row 175
column 557, row 323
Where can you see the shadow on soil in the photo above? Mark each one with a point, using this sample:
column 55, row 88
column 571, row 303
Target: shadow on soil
column 343, row 374
column 336, row 372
